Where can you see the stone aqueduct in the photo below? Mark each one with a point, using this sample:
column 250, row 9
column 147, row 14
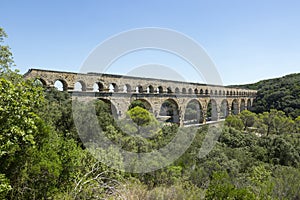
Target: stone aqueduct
column 166, row 99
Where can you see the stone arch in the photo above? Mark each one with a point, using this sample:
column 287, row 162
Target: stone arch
column 196, row 91
column 80, row 86
column 224, row 93
column 206, row 91
column 150, row 89
column 235, row 107
column 40, row 82
column 243, row 105
column 211, row 92
column 193, row 113
column 183, row 91
column 190, row 91
column 220, row 93
column 98, row 87
column 177, row 90
column 230, row 93
column 160, row 89
column 212, row 110
column 127, row 88
column 169, row 90
column 139, row 89
column 249, row 104
column 216, row 92
column 141, row 103
column 169, row 111
column 113, row 87
column 224, row 109
column 61, row 85
column 111, row 107
column 201, row 91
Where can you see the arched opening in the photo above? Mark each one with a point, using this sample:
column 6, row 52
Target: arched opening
column 141, row 103
column 150, row 89
column 243, row 105
column 235, row 107
column 201, row 91
column 212, row 111
column 211, row 92
column 220, row 92
column 190, row 91
column 224, row 112
column 206, row 91
column 61, row 85
column 79, row 86
column 169, row 111
column 183, row 91
column 110, row 108
column 177, row 90
column 169, row 90
column 193, row 113
column 230, row 93
column 249, row 104
column 116, row 88
column 40, row 82
column 196, row 91
column 160, row 90
column 216, row 92
column 139, row 89
column 98, row 87
column 227, row 93
column 113, row 87
column 223, row 92
column 127, row 88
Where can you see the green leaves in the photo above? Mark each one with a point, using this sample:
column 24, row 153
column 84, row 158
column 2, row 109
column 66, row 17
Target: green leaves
column 280, row 94
column 140, row 116
column 6, row 59
column 17, row 117
column 4, row 186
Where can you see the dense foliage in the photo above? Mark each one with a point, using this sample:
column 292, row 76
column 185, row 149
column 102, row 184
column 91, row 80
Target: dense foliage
column 256, row 156
column 279, row 93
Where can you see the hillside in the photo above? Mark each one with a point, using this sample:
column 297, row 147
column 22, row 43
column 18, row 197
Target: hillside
column 279, row 93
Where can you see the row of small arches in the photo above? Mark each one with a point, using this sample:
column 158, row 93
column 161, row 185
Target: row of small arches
column 113, row 88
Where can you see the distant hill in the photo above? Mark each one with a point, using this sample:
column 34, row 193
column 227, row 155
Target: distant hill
column 279, row 93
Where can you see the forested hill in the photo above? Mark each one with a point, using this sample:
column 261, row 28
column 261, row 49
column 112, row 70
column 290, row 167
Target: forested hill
column 279, row 93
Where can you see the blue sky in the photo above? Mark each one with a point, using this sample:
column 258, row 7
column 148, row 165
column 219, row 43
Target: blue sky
column 247, row 40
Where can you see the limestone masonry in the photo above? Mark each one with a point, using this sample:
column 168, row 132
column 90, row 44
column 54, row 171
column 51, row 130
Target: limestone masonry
column 121, row 90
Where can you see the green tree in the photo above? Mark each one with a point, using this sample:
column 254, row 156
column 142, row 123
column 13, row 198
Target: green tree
column 6, row 58
column 297, row 125
column 221, row 187
column 248, row 118
column 4, row 186
column 234, row 121
column 286, row 182
column 141, row 117
column 276, row 122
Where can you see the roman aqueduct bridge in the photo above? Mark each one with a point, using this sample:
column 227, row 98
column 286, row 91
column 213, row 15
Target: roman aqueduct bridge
column 176, row 101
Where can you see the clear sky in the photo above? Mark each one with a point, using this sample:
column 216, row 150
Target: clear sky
column 247, row 40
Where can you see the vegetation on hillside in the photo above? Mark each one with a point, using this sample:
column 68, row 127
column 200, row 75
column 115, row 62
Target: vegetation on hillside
column 42, row 156
column 278, row 93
